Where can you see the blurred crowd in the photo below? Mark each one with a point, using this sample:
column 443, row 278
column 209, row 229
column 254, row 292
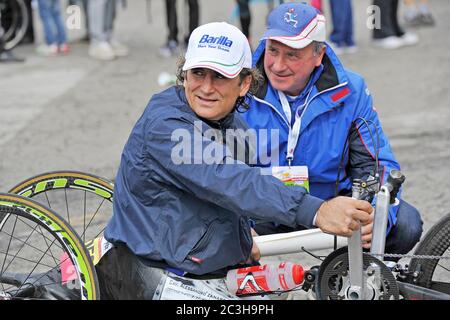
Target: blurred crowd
column 99, row 17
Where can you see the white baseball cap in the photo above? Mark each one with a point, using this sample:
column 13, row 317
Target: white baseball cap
column 218, row 46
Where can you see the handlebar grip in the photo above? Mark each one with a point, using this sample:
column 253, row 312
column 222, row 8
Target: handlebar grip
column 394, row 182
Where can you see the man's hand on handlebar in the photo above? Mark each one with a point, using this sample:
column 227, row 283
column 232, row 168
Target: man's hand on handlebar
column 342, row 215
column 366, row 233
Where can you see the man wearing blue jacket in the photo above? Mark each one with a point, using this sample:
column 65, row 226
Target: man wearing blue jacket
column 324, row 115
column 183, row 197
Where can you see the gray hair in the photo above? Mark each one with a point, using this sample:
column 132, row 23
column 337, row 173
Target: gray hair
column 318, row 46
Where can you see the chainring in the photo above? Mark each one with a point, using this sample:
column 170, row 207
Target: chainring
column 333, row 279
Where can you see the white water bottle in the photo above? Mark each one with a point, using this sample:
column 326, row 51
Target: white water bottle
column 264, row 279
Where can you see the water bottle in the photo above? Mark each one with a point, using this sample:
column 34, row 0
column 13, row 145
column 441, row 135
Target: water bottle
column 264, row 279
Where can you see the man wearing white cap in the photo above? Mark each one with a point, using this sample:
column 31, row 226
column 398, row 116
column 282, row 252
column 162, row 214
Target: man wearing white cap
column 328, row 127
column 182, row 200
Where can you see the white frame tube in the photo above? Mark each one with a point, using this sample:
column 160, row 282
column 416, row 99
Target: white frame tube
column 292, row 242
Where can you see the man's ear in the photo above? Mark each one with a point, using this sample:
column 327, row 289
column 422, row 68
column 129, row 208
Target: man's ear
column 320, row 56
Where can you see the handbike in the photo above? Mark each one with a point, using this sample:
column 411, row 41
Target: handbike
column 375, row 279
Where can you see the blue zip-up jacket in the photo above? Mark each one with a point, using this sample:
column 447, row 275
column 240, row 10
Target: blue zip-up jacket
column 338, row 98
column 193, row 214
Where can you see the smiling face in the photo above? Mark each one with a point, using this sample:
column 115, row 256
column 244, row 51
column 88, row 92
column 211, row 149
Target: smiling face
column 211, row 95
column 289, row 69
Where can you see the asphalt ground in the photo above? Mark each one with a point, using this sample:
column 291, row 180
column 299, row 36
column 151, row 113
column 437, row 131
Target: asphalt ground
column 76, row 113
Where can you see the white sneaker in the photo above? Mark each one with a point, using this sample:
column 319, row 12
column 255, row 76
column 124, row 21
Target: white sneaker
column 410, row 39
column 340, row 50
column 171, row 49
column 119, row 49
column 47, row 50
column 351, row 49
column 336, row 49
column 391, row 42
column 101, row 51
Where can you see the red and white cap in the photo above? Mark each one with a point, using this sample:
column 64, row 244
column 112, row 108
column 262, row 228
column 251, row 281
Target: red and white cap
column 218, row 46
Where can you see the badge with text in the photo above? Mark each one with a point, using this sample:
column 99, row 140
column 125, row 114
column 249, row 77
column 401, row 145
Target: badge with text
column 292, row 176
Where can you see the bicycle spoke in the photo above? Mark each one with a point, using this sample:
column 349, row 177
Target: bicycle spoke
column 43, row 275
column 9, row 245
column 101, row 231
column 440, row 265
column 40, row 264
column 67, row 206
column 23, row 245
column 48, row 201
column 31, row 272
column 20, row 219
column 51, row 253
column 90, row 221
column 84, row 216
column 25, row 259
column 20, row 240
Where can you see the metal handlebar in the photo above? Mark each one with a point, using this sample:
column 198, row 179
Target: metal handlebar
column 385, row 197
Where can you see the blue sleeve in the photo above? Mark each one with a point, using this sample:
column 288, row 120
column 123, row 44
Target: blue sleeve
column 227, row 183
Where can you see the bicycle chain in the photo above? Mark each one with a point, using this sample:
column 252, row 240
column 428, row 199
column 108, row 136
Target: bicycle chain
column 418, row 256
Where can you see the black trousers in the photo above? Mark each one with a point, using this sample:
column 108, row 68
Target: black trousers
column 389, row 21
column 172, row 18
column 122, row 276
column 244, row 16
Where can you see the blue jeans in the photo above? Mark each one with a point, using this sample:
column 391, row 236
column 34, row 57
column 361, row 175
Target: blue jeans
column 341, row 13
column 50, row 13
column 101, row 15
column 406, row 232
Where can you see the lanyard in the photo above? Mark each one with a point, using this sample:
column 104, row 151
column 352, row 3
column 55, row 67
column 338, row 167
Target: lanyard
column 294, row 130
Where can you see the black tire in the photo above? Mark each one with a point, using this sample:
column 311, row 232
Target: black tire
column 434, row 273
column 83, row 199
column 41, row 256
column 18, row 24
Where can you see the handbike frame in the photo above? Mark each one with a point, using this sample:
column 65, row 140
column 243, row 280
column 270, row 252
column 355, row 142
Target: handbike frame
column 315, row 239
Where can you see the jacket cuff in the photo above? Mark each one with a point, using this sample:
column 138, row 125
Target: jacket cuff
column 307, row 210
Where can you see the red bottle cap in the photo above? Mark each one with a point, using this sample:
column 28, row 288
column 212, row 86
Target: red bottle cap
column 298, row 273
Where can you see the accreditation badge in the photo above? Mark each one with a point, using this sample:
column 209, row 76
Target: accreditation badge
column 292, row 176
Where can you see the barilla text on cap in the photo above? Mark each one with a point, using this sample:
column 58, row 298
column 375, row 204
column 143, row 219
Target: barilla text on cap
column 213, row 42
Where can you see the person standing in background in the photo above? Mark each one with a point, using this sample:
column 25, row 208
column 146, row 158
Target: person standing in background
column 171, row 48
column 390, row 35
column 54, row 31
column 103, row 46
column 418, row 14
column 342, row 35
column 245, row 17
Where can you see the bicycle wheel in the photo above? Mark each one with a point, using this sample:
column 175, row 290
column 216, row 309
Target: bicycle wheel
column 84, row 200
column 41, row 256
column 15, row 18
column 434, row 273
